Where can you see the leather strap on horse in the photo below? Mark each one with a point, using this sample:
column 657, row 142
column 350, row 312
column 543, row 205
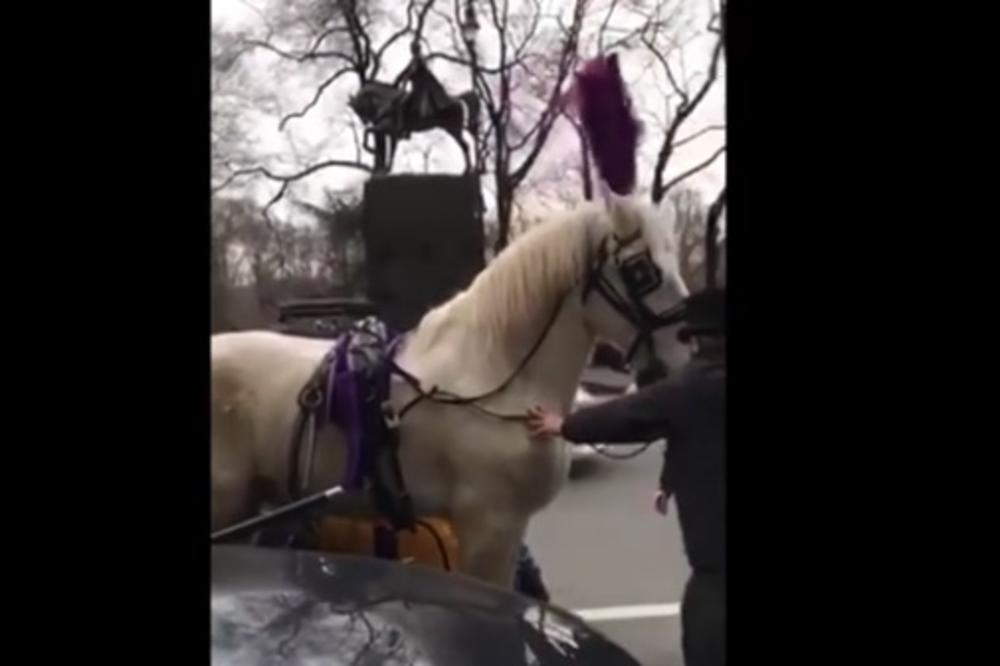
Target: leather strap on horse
column 375, row 467
column 435, row 394
column 310, row 401
column 388, row 489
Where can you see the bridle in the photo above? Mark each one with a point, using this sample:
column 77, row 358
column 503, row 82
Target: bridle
column 640, row 275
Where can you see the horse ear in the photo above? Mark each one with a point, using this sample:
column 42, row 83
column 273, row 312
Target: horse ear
column 626, row 218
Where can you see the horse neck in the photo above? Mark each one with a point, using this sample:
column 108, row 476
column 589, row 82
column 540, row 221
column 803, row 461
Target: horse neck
column 476, row 342
column 552, row 375
column 457, row 360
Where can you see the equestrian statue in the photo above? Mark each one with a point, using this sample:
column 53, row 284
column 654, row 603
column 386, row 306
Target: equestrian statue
column 415, row 102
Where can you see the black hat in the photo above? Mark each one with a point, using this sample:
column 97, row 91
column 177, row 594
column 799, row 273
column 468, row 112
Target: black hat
column 704, row 314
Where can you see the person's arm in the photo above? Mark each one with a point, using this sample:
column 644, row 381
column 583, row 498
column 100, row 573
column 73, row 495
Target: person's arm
column 666, row 473
column 639, row 417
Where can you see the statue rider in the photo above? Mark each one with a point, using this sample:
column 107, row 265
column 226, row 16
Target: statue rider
column 427, row 96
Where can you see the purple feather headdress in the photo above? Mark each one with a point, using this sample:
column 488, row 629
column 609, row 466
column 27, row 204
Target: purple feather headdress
column 606, row 114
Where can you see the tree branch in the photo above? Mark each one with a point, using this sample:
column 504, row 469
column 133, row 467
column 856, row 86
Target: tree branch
column 700, row 132
column 422, row 17
column 288, row 179
column 553, row 108
column 468, row 63
column 315, row 100
column 297, row 57
column 536, row 18
column 399, row 34
column 685, row 109
column 604, row 26
column 690, row 172
column 359, row 37
column 666, row 68
column 321, row 37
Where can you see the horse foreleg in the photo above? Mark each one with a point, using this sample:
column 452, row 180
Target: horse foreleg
column 488, row 543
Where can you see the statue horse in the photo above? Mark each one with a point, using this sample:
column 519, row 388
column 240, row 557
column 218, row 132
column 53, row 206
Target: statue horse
column 519, row 335
column 391, row 114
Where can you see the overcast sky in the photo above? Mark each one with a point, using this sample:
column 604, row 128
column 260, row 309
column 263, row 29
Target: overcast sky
column 324, row 133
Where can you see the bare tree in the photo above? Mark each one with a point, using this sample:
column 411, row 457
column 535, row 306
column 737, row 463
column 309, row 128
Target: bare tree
column 542, row 74
column 234, row 98
column 519, row 85
column 231, row 219
column 339, row 222
column 520, row 88
column 257, row 263
column 688, row 102
column 336, row 38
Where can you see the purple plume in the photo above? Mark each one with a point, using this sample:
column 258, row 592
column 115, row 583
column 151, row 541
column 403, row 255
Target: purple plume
column 612, row 129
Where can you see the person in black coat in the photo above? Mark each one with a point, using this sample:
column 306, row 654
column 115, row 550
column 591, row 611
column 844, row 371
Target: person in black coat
column 688, row 410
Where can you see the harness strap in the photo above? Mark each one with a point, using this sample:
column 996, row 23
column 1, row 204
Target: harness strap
column 388, row 488
column 310, row 401
column 448, row 398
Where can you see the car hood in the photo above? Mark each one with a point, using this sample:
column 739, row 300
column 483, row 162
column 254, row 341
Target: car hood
column 301, row 607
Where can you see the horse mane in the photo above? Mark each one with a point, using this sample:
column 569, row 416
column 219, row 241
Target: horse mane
column 510, row 300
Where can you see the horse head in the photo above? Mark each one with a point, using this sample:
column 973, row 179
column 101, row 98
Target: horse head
column 634, row 292
column 637, row 271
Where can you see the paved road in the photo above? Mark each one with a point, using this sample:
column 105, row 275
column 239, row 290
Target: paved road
column 600, row 544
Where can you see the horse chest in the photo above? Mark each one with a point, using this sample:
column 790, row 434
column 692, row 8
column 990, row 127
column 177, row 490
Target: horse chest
column 446, row 448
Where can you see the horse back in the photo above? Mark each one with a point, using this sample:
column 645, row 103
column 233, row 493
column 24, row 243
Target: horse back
column 256, row 380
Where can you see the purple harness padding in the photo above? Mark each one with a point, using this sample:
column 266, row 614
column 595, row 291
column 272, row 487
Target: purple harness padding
column 357, row 385
column 342, row 408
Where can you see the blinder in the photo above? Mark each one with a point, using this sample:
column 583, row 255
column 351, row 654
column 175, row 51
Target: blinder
column 641, row 277
column 640, row 274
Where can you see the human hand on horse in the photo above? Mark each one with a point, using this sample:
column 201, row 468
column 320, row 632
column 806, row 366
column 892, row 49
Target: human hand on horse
column 542, row 421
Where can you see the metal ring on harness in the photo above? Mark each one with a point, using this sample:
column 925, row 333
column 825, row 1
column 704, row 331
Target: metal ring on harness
column 311, row 398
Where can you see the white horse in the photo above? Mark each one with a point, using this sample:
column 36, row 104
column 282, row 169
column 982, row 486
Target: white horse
column 486, row 475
